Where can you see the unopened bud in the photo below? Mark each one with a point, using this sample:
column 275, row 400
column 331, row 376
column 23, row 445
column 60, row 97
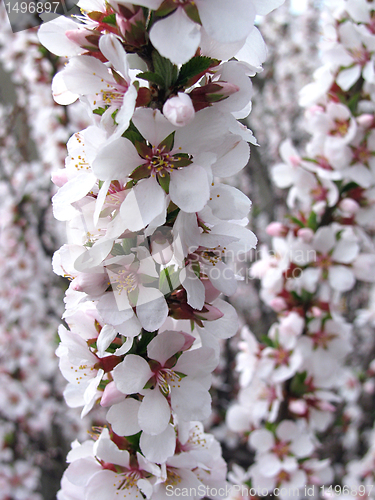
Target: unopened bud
column 306, row 234
column 278, row 304
column 316, row 312
column 276, row 229
column 366, row 120
column 349, row 206
column 179, row 110
column 111, row 395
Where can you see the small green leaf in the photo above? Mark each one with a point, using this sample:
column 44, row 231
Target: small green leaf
column 117, row 250
column 133, row 134
column 165, row 69
column 111, row 19
column 267, row 341
column 297, row 221
column 152, row 78
column 312, row 222
column 99, row 111
column 164, row 181
column 194, row 67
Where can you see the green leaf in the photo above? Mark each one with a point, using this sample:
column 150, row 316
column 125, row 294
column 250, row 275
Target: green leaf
column 152, row 78
column 297, row 385
column 145, row 339
column 296, row 221
column 117, row 250
column 312, row 222
column 111, row 19
column 128, row 244
column 134, row 440
column 165, row 69
column 164, row 182
column 194, row 67
column 168, row 142
column 267, row 341
column 133, row 134
column 169, row 280
column 99, row 111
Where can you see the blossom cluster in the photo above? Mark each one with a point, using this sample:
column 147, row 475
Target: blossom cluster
column 151, row 230
column 33, row 417
column 293, row 379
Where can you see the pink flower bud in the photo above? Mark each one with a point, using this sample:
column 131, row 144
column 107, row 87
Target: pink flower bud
column 369, row 387
column 349, row 206
column 179, row 110
column 365, row 120
column 298, row 406
column 278, row 304
column 111, row 395
column 59, row 178
column 316, row 312
column 306, row 234
column 276, row 229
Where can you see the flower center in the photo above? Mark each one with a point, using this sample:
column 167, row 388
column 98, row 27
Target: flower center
column 125, row 281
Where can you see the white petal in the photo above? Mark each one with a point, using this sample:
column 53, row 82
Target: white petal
column 226, row 22
column 158, row 448
column 143, row 203
column 124, row 417
column 189, row 188
column 341, row 278
column 152, row 309
column 106, row 450
column 106, row 336
column 194, row 288
column 132, row 374
column 112, row 49
column 154, row 413
column 262, row 440
column 152, row 125
column 165, row 345
column 176, row 37
column 116, row 160
column 190, row 400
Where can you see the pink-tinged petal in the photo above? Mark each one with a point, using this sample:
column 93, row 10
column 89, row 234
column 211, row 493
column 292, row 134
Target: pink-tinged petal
column 82, row 470
column 111, row 396
column 72, row 191
column 194, row 288
column 53, row 36
column 152, row 309
column 152, row 125
column 190, row 400
column 176, row 37
column 154, row 413
column 106, row 450
column 59, row 91
column 158, row 448
column 112, row 49
column 124, row 417
column 165, row 345
column 189, row 188
column 225, row 22
column 116, row 160
column 132, row 374
column 197, row 363
column 341, row 278
column 234, row 153
column 225, row 327
column 143, row 203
